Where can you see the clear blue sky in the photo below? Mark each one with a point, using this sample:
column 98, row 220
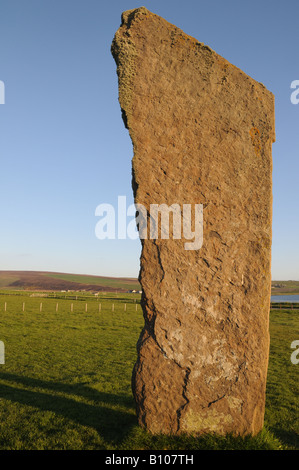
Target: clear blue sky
column 64, row 149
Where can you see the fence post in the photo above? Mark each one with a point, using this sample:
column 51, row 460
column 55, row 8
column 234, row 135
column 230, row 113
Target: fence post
column 112, row 307
column 57, row 307
column 5, row 305
column 72, row 307
column 2, row 353
column 23, row 306
column 99, row 307
column 85, row 307
column 41, row 307
column 125, row 307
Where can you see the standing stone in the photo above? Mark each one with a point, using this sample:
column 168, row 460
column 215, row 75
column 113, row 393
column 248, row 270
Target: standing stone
column 202, row 132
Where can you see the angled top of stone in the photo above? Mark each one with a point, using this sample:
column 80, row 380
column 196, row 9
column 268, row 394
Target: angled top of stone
column 141, row 29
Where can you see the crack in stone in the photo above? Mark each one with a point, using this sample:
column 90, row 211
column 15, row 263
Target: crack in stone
column 230, row 388
column 179, row 411
column 160, row 260
column 217, row 399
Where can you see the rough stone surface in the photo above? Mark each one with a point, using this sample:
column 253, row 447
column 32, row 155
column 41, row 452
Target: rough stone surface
column 202, row 132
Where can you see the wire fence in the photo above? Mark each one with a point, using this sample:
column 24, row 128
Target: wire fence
column 285, row 305
column 93, row 305
column 40, row 307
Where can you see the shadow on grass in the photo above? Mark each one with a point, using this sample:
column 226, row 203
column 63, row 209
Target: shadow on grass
column 288, row 437
column 113, row 425
column 80, row 390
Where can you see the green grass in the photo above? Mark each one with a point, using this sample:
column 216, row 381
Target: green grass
column 282, row 412
column 66, row 382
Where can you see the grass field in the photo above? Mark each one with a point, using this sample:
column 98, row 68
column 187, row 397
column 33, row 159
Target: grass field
column 66, row 381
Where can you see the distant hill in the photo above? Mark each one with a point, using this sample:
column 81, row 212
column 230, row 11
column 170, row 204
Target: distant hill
column 284, row 287
column 48, row 281
column 52, row 281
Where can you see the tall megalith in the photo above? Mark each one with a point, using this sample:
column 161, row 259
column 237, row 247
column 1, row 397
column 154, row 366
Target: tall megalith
column 202, row 133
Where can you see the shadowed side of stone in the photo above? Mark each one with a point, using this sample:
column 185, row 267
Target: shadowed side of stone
column 202, row 133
